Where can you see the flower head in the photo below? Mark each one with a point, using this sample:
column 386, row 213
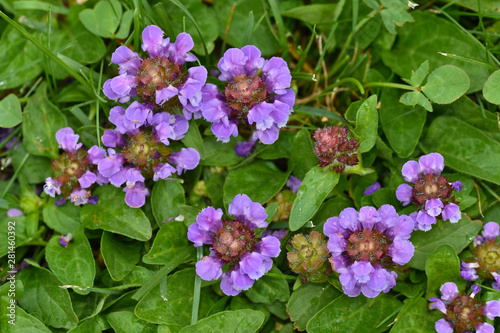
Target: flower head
column 335, row 148
column 236, row 254
column 265, row 100
column 159, row 79
column 431, row 192
column 462, row 312
column 366, row 246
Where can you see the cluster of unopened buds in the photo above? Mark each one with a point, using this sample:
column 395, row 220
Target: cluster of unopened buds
column 336, row 148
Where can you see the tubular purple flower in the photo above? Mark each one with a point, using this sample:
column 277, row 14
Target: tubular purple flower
column 236, row 255
column 135, row 196
column 490, row 231
column 451, row 212
column 113, row 139
column 110, row 165
column 68, row 140
column 365, row 245
column 293, row 183
column 14, row 212
column 373, row 188
column 468, row 271
column 185, row 159
column 87, row 179
column 244, row 148
column 80, row 197
column 162, row 171
column 96, row 154
column 52, row 187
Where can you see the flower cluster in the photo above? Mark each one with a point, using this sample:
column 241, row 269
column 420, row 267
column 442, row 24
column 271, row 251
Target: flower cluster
column 366, row 245
column 143, row 139
column 431, row 192
column 462, row 312
column 335, row 148
column 308, row 255
column 236, row 254
column 485, row 261
column 74, row 170
column 161, row 78
column 265, row 100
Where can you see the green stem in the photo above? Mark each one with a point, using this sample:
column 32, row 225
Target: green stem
column 197, row 289
column 390, row 85
column 11, row 181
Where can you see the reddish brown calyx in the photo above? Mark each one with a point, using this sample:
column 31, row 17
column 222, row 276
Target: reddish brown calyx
column 68, row 167
column 144, row 152
column 244, row 92
column 232, row 240
column 465, row 313
column 369, row 245
column 431, row 187
column 155, row 74
column 334, row 147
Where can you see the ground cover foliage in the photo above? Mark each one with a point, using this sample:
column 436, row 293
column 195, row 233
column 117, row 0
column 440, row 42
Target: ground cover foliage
column 402, row 82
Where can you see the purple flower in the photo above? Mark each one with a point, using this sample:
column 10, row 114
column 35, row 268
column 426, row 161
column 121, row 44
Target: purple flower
column 96, row 154
column 79, row 197
column 52, row 187
column 372, row 188
column 265, row 100
column 135, row 196
column 431, row 192
column 463, row 311
column 366, row 245
column 159, row 79
column 244, row 148
column 64, row 240
column 68, row 140
column 236, row 255
column 293, row 183
column 14, row 212
column 185, row 159
column 87, row 179
column 490, row 231
column 468, row 271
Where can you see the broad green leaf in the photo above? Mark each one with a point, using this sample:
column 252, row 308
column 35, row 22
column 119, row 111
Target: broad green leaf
column 42, row 120
column 63, row 219
column 112, row 214
column 281, row 148
column 413, row 98
column 125, row 24
column 103, row 19
column 446, row 84
column 491, row 89
column 10, row 111
column 20, row 60
column 367, row 124
column 458, row 235
column 120, row 254
column 355, row 314
column 170, row 239
column 43, row 296
column 238, row 321
column 127, row 321
column 313, row 191
column 402, row 125
column 309, row 299
column 268, row 289
column 394, row 13
column 87, row 326
column 36, row 169
column 329, row 208
column 260, row 180
column 415, row 317
column 19, row 222
column 218, row 153
column 418, row 76
column 194, row 140
column 464, row 148
column 487, row 7
column 176, row 309
column 166, row 197
column 303, row 157
column 313, row 14
column 442, row 266
column 73, row 265
column 20, row 321
column 428, row 36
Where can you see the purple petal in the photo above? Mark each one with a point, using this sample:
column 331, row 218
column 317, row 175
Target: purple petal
column 112, row 138
column 442, row 326
column 226, row 285
column 362, row 271
column 485, row 328
column 244, row 148
column 402, row 229
column 153, row 41
column 368, row 216
column 268, row 136
column 252, row 213
column 432, row 163
column 449, row 291
column 79, row 197
column 388, row 217
column 215, row 110
column 120, row 87
column 87, row 179
column 332, row 227
column 411, row 171
column 438, row 304
column 183, row 44
column 231, row 64
column 276, row 75
column 162, row 171
column 135, row 197
column 209, row 268
column 185, row 159
column 336, row 244
column 254, row 60
column 457, row 185
column 111, row 164
column 197, row 77
column 492, row 309
column 14, row 212
column 96, row 154
column 424, row 221
column 67, row 139
column 451, row 212
column 52, row 187
column 404, row 193
column 268, row 246
column 241, row 281
column 433, row 207
column 250, row 263
column 293, row 183
column 163, row 95
column 138, row 113
column 401, row 251
column 490, row 231
column 127, row 59
column 199, row 237
column 224, row 131
column 209, row 219
column 122, row 123
column 348, row 219
column 372, row 188
column 377, row 281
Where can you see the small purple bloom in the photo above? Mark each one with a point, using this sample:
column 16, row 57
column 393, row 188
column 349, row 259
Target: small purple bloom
column 244, row 148
column 64, row 240
column 112, row 139
column 468, row 271
column 457, row 186
column 185, row 159
column 52, row 187
column 231, row 241
column 111, row 164
column 404, row 192
column 60, row 202
column 372, row 188
column 162, row 171
column 490, row 231
column 135, row 196
column 79, row 197
column 96, row 154
column 451, row 212
column 14, row 212
column 293, row 183
column 67, row 139
column 87, row 179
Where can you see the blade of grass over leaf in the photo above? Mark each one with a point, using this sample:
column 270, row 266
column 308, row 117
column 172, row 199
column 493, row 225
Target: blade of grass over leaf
column 197, row 289
column 281, row 28
column 306, row 52
column 249, row 32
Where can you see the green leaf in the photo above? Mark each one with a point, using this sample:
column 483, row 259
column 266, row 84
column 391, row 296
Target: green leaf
column 446, row 84
column 127, row 321
column 166, row 197
column 42, row 120
column 428, row 36
column 303, row 157
column 394, row 13
column 125, row 24
column 260, row 180
column 218, row 153
column 20, row 60
column 313, row 191
column 413, row 98
column 491, row 88
column 442, row 266
column 307, row 300
column 313, row 14
column 355, row 314
column 268, row 289
column 10, row 111
column 43, row 296
column 112, row 214
column 21, row 321
column 193, row 139
column 367, row 124
column 458, row 235
column 415, row 317
column 73, row 265
column 176, row 309
column 281, row 148
column 120, row 254
column 88, row 326
column 63, row 219
column 103, row 19
column 170, row 239
column 419, row 75
column 402, row 125
column 239, row 321
column 36, row 169
column 464, row 148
